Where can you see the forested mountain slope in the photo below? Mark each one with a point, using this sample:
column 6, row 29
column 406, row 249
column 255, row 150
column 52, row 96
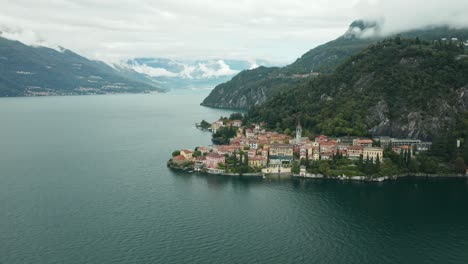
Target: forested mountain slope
column 29, row 71
column 253, row 87
column 396, row 87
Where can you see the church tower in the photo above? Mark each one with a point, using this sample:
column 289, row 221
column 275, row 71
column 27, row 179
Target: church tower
column 298, row 132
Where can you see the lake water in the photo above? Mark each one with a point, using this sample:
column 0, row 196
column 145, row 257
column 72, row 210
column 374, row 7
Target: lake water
column 84, row 180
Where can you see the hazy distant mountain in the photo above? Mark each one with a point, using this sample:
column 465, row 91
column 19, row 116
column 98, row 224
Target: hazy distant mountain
column 179, row 74
column 30, row 71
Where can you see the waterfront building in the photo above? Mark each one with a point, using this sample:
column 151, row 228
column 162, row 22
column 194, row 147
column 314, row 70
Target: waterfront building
column 423, row 146
column 203, row 150
column 281, row 154
column 362, row 142
column 257, row 162
column 373, row 153
column 401, row 142
column 213, row 159
column 216, row 125
column 328, row 146
column 347, row 140
column 186, row 153
column 354, row 152
column 384, row 140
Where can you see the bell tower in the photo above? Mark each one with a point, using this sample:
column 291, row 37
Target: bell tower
column 298, row 132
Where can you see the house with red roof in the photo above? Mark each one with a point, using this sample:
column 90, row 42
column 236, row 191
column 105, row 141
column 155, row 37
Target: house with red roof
column 321, row 138
column 362, row 142
column 355, row 151
column 213, row 159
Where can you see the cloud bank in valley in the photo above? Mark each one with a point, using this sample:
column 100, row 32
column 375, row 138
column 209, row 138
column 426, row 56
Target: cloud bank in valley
column 279, row 30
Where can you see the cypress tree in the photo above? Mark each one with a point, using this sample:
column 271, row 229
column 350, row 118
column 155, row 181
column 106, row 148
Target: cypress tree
column 405, row 158
column 400, row 159
column 367, row 166
column 409, row 158
column 465, row 150
column 377, row 165
column 361, row 163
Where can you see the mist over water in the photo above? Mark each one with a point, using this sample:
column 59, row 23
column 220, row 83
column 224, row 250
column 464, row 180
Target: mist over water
column 83, row 179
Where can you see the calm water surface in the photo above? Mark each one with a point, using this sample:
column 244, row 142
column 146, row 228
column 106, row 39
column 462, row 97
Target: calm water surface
column 83, row 180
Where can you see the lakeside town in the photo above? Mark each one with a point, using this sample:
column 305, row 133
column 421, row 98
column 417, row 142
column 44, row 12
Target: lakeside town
column 252, row 150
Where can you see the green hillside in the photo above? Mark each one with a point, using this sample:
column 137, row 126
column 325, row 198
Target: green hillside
column 29, row 71
column 401, row 88
column 255, row 86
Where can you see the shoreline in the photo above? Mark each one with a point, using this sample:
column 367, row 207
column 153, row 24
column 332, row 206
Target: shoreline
column 192, row 171
column 381, row 178
column 321, row 176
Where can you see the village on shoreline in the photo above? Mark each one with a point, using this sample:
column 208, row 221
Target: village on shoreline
column 252, row 150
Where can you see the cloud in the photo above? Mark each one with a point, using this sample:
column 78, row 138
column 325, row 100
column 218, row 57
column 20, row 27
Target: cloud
column 220, row 69
column 153, row 72
column 253, row 65
column 276, row 30
column 185, row 70
column 26, row 36
column 397, row 16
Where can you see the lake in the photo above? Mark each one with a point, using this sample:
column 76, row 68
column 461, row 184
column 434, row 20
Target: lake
column 83, row 179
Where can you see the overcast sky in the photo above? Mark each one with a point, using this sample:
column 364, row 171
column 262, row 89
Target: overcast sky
column 276, row 30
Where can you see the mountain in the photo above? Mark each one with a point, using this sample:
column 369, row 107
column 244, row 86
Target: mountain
column 396, row 87
column 253, row 87
column 30, row 71
column 179, row 74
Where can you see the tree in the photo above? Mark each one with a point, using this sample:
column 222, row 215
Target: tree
column 236, row 116
column 408, row 158
column 197, row 153
column 360, row 164
column 465, row 150
column 460, row 165
column 413, row 166
column 401, row 159
column 324, row 167
column 405, row 159
column 205, row 125
column 295, row 167
column 175, row 153
column 377, row 165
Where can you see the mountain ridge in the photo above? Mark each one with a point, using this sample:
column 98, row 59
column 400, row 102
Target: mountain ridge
column 397, row 87
column 38, row 71
column 323, row 59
